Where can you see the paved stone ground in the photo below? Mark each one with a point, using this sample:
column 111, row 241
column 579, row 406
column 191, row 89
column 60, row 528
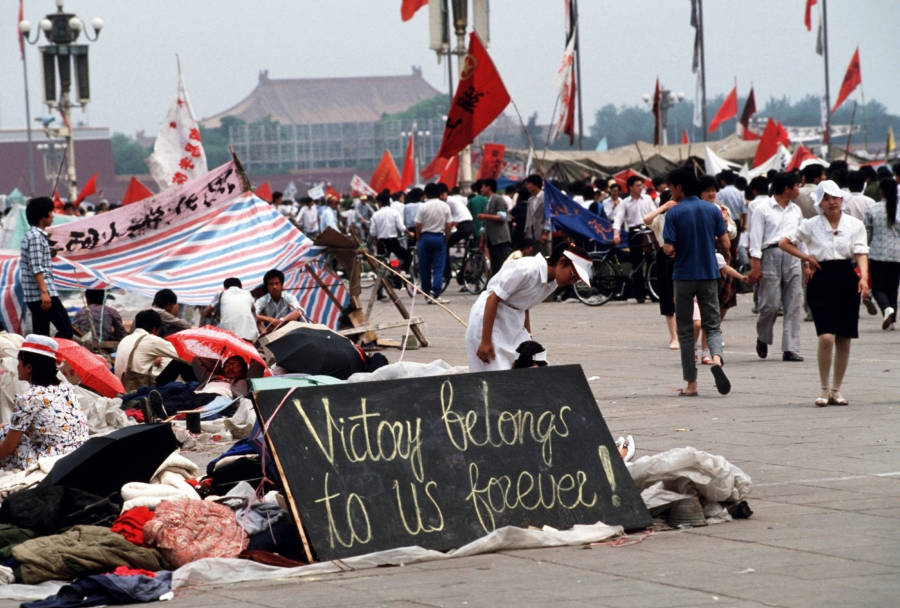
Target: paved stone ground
column 826, row 481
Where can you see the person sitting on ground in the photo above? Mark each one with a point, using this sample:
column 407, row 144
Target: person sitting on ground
column 235, row 310
column 276, row 307
column 46, row 419
column 218, row 396
column 144, row 359
column 101, row 321
column 165, row 303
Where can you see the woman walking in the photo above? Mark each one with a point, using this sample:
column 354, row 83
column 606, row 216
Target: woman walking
column 833, row 240
column 883, row 227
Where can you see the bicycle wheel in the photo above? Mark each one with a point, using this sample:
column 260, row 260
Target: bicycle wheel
column 474, row 277
column 652, row 280
column 604, row 284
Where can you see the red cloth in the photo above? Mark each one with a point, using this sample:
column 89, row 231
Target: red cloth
column 852, row 79
column 185, row 530
column 130, row 524
column 409, row 165
column 385, row 175
column 135, row 192
column 480, row 98
column 407, row 9
column 491, row 161
column 126, row 571
column 727, row 110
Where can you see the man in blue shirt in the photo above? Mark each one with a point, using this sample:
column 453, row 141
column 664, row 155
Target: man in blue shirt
column 693, row 231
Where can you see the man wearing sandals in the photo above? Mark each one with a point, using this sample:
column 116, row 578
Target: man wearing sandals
column 694, row 229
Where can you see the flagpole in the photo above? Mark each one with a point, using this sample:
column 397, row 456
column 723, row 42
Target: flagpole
column 826, row 136
column 578, row 75
column 28, row 126
column 702, row 67
column 865, row 126
column 850, row 133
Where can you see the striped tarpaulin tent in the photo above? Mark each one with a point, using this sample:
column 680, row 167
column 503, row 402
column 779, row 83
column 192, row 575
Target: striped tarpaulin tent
column 243, row 239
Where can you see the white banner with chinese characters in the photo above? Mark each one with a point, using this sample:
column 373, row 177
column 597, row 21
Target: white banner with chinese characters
column 178, row 154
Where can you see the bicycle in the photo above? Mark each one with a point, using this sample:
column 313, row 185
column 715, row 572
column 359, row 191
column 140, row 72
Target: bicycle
column 612, row 277
column 471, row 269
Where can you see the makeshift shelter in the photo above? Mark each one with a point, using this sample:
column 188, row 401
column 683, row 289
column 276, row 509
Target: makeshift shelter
column 188, row 238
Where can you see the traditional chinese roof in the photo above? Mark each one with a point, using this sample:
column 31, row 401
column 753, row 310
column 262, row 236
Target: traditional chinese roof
column 301, row 101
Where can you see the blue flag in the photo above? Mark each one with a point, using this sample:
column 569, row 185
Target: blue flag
column 568, row 215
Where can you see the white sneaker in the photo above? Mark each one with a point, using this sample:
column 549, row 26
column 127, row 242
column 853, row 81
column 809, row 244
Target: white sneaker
column 889, row 318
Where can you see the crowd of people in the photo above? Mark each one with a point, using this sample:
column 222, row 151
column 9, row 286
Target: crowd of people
column 815, row 242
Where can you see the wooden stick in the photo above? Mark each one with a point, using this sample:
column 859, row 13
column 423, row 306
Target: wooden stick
column 321, row 284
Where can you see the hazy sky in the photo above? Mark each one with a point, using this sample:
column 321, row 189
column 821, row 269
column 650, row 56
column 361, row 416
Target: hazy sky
column 625, row 44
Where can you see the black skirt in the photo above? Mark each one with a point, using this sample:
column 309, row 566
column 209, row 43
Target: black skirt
column 834, row 300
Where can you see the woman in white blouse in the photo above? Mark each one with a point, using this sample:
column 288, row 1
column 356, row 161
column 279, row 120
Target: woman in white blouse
column 832, row 239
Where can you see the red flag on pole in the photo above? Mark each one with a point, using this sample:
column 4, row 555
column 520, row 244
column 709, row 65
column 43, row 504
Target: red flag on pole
column 807, row 18
column 800, row 154
column 409, row 166
column 135, row 192
column 491, row 161
column 89, row 188
column 565, row 84
column 450, row 174
column 774, row 134
column 434, row 168
column 684, row 137
column 749, row 110
column 21, row 39
column 852, row 79
column 385, row 175
column 265, row 192
column 657, row 97
column 57, row 202
column 480, row 98
column 409, row 8
column 727, row 110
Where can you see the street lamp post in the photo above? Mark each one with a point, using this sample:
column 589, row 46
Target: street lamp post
column 418, row 144
column 62, row 29
column 667, row 100
column 460, row 22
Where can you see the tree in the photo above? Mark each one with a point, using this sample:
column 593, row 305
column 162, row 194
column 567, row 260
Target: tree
column 128, row 155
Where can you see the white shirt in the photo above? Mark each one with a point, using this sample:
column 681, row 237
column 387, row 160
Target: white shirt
column 386, row 224
column 236, row 313
column 769, row 223
column 630, row 212
column 309, row 219
column 433, row 215
column 148, row 350
column 825, row 243
column 610, row 206
column 397, row 206
column 523, row 283
column 268, row 307
column 459, row 211
column 857, row 204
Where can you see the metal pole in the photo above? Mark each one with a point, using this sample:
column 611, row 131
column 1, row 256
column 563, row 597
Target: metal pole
column 826, row 136
column 70, row 148
column 28, row 128
column 578, row 76
column 702, row 67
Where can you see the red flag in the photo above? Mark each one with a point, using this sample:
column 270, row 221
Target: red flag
column 57, row 202
column 135, row 192
column 409, row 166
column 329, row 191
column 265, row 192
column 435, row 167
column 491, row 161
column 385, row 175
column 800, row 154
column 684, row 137
column 807, row 18
column 89, row 188
column 749, row 110
column 409, row 8
column 726, row 111
column 852, row 79
column 480, row 98
column 657, row 97
column 564, row 81
column 774, row 134
column 21, row 39
column 450, row 174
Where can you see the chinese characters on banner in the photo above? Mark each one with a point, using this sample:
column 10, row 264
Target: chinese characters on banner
column 358, row 186
column 480, row 98
column 178, row 154
column 167, row 209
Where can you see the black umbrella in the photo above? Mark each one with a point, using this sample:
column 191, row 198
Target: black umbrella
column 317, row 351
column 104, row 464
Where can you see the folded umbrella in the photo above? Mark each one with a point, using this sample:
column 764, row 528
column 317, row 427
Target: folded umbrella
column 102, row 465
column 91, row 368
column 215, row 343
column 317, row 351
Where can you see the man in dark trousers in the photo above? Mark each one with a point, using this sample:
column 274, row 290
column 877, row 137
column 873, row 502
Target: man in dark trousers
column 496, row 228
column 36, row 272
column 694, row 230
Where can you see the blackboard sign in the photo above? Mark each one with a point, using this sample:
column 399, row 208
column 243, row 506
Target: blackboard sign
column 443, row 460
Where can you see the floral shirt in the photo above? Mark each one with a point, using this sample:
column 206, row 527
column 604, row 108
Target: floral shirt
column 51, row 422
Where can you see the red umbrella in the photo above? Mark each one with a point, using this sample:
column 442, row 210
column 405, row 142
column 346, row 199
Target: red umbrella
column 211, row 342
column 91, row 368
